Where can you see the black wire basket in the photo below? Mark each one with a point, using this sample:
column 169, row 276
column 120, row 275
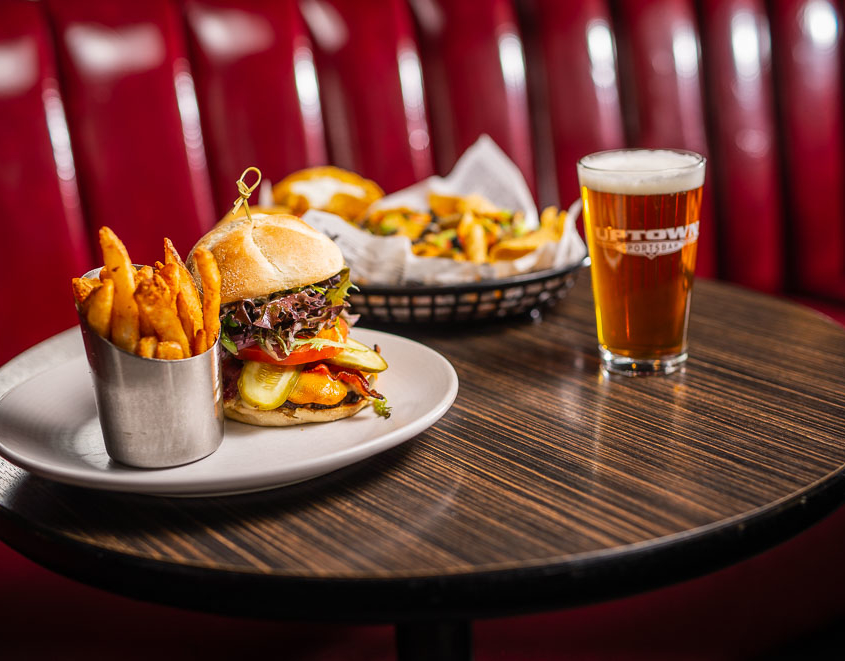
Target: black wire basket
column 525, row 294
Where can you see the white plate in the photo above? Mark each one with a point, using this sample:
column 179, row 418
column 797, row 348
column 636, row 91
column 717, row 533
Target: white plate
column 49, row 425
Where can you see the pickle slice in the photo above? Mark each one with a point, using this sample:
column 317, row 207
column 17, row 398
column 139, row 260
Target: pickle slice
column 267, row 386
column 360, row 357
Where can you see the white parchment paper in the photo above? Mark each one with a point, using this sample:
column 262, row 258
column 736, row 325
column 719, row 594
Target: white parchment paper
column 484, row 169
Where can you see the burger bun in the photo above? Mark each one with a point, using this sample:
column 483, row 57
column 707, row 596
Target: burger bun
column 237, row 409
column 267, row 254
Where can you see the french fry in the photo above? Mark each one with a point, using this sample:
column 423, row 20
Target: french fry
column 147, row 346
column 520, row 246
column 190, row 324
column 551, row 229
column 552, row 223
column 169, row 350
column 210, row 276
column 84, row 287
column 145, row 326
column 476, row 244
column 124, row 322
column 463, row 228
column 153, row 296
column 443, row 205
column 560, row 226
column 171, row 255
column 477, row 204
column 170, row 275
column 99, row 308
column 188, row 300
column 200, row 342
column 548, row 218
column 473, row 238
column 143, row 273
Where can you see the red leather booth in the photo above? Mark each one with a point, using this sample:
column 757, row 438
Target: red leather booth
column 141, row 116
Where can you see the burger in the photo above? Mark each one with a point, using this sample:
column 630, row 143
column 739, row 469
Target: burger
column 327, row 188
column 288, row 356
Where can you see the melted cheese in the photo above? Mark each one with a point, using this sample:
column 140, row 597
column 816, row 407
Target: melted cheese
column 315, row 388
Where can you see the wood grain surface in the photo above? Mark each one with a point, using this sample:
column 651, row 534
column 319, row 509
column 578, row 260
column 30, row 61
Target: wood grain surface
column 546, row 485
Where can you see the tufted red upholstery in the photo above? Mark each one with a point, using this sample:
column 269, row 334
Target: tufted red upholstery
column 470, row 55
column 142, row 115
column 134, row 123
column 811, row 109
column 744, row 142
column 234, row 53
column 562, row 68
column 167, row 102
column 371, row 87
column 39, row 199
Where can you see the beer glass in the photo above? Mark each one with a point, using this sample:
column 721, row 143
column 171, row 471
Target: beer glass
column 641, row 218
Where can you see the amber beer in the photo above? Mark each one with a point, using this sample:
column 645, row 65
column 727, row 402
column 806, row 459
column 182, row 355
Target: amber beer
column 641, row 220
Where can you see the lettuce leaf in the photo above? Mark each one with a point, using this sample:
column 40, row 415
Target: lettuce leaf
column 338, row 294
column 280, row 322
column 381, row 408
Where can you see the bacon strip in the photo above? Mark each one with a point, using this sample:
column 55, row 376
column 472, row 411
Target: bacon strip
column 348, row 375
column 356, row 379
column 318, row 368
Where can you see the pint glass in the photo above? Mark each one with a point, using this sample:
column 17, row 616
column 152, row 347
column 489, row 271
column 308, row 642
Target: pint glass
column 641, row 220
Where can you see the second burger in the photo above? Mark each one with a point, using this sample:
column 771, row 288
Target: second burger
column 289, row 357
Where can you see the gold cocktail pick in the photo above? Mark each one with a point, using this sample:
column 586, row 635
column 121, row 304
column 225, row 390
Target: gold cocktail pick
column 245, row 191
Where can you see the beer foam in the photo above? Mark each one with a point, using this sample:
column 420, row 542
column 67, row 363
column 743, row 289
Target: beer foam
column 641, row 171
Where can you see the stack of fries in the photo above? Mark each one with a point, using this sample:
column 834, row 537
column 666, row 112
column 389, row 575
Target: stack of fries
column 466, row 228
column 152, row 312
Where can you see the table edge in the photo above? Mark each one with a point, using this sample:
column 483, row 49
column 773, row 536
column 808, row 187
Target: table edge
column 583, row 579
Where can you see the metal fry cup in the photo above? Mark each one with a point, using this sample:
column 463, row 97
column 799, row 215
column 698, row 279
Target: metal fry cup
column 155, row 413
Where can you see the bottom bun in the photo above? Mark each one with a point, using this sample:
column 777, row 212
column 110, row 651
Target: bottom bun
column 283, row 416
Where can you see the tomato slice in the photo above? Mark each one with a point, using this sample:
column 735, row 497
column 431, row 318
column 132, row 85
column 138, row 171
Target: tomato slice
column 303, row 354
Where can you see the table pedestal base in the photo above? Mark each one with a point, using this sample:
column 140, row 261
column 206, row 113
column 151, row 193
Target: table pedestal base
column 449, row 640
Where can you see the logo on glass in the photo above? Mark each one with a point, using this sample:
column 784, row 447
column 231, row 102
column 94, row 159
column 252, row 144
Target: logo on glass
column 648, row 243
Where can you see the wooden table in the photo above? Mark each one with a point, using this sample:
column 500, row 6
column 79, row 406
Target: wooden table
column 546, row 485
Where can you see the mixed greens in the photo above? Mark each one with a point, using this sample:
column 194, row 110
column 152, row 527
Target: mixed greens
column 283, row 321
